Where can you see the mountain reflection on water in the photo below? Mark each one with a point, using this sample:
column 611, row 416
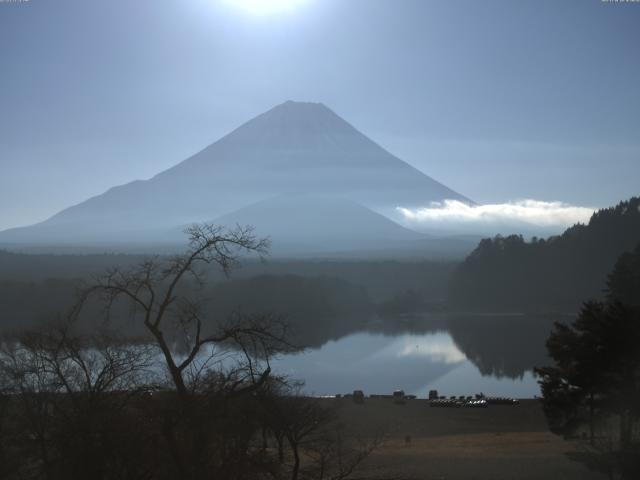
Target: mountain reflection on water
column 463, row 354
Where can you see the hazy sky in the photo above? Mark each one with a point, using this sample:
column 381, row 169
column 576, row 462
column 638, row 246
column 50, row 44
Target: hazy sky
column 500, row 100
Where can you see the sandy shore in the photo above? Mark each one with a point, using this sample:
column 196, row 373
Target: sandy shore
column 498, row 442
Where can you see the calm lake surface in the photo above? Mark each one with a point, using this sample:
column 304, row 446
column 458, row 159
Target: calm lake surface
column 460, row 355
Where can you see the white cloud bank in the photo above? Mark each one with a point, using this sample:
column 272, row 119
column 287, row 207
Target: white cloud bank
column 534, row 212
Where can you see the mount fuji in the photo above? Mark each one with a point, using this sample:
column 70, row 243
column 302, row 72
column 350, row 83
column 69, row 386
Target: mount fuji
column 282, row 161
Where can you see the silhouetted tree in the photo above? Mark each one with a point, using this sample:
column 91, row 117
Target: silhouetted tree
column 596, row 376
column 152, row 289
column 317, row 441
column 66, row 394
column 623, row 283
column 209, row 360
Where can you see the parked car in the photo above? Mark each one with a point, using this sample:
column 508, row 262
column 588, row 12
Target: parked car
column 358, row 396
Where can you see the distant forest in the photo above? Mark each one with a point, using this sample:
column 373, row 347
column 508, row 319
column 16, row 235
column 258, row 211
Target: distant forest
column 320, row 299
column 555, row 274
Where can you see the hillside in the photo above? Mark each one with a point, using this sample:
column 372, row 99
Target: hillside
column 509, row 273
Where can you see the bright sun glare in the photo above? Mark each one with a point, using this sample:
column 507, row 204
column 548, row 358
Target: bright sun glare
column 263, row 7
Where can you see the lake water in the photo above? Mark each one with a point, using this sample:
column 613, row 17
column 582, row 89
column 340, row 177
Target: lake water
column 460, row 356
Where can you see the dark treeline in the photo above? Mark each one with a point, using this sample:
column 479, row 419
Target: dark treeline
column 316, row 308
column 37, row 267
column 25, row 304
column 382, row 279
column 314, row 294
column 558, row 273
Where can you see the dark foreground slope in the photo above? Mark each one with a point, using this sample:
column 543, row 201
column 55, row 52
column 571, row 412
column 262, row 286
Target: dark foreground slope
column 560, row 272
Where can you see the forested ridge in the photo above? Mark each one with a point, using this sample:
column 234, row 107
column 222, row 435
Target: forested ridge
column 557, row 273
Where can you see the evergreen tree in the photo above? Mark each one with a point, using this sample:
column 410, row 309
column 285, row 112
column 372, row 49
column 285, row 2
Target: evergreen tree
column 596, row 376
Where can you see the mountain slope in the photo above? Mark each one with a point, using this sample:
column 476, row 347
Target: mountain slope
column 557, row 273
column 294, row 148
column 320, row 224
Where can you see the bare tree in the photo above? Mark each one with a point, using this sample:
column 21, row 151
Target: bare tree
column 67, row 393
column 337, row 456
column 209, row 361
column 153, row 291
column 319, row 447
